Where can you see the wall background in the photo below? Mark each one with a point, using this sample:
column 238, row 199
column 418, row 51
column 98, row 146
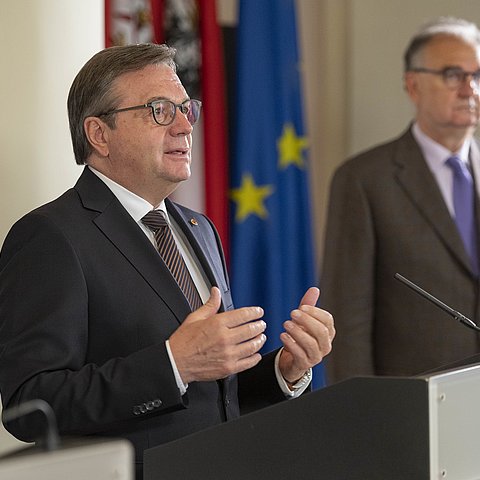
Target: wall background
column 352, row 63
column 43, row 43
column 353, row 66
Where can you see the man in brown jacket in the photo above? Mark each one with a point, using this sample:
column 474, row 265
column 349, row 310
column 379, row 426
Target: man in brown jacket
column 393, row 209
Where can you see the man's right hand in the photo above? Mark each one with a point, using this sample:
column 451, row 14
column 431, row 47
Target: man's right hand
column 210, row 345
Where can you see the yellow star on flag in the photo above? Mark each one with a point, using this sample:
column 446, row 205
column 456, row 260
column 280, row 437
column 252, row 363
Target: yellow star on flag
column 290, row 147
column 250, row 197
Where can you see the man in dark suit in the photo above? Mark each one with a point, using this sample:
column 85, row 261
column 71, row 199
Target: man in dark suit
column 98, row 324
column 393, row 209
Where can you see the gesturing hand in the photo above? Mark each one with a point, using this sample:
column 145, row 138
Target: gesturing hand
column 308, row 337
column 210, row 345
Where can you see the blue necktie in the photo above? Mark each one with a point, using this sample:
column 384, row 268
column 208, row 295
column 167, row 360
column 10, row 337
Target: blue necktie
column 464, row 205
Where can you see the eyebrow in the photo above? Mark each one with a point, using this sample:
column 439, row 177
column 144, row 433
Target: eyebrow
column 458, row 67
column 154, row 99
column 452, row 67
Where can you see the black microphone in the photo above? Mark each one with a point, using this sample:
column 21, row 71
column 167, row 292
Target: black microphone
column 456, row 315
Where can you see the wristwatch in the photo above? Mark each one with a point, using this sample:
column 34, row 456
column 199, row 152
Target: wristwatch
column 304, row 380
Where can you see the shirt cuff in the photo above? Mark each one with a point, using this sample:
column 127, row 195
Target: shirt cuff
column 299, row 387
column 181, row 386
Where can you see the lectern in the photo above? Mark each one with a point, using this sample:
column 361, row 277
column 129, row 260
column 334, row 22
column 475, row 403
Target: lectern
column 76, row 459
column 366, row 428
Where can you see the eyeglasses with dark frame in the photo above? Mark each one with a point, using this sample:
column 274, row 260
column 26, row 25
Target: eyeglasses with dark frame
column 453, row 77
column 164, row 111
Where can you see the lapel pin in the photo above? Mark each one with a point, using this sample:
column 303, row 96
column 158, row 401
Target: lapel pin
column 193, row 221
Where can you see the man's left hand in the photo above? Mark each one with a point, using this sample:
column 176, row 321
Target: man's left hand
column 307, row 339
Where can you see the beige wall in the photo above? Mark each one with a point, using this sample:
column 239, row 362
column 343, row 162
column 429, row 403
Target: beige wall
column 361, row 54
column 379, row 31
column 351, row 52
column 43, row 43
column 41, row 52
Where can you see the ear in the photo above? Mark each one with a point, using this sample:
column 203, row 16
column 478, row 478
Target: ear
column 97, row 135
column 411, row 86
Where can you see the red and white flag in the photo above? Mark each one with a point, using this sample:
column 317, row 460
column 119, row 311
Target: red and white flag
column 191, row 27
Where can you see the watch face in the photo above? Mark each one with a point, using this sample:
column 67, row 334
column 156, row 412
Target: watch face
column 304, row 380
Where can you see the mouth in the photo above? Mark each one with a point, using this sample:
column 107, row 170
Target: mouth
column 471, row 106
column 178, row 152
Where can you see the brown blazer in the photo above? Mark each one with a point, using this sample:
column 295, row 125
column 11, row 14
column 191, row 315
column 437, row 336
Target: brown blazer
column 386, row 215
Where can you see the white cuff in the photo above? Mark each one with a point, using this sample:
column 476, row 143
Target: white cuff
column 299, row 387
column 181, row 386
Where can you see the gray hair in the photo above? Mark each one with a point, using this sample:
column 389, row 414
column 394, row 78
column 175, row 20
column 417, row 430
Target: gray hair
column 442, row 26
column 92, row 91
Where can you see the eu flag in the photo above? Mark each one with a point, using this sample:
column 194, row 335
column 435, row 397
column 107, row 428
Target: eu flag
column 272, row 261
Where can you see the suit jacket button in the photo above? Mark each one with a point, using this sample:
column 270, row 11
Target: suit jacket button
column 149, row 405
column 143, row 408
column 157, row 403
column 136, row 410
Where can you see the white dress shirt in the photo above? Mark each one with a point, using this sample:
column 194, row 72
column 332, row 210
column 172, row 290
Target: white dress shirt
column 436, row 156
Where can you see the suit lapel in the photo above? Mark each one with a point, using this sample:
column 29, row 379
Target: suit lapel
column 420, row 185
column 124, row 233
column 195, row 229
column 475, row 163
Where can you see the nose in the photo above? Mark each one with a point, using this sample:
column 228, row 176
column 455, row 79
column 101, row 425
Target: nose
column 181, row 124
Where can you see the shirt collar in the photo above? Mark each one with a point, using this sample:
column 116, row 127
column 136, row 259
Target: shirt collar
column 436, row 153
column 136, row 206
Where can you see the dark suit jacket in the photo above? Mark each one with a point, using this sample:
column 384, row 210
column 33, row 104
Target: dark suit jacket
column 85, row 308
column 387, row 215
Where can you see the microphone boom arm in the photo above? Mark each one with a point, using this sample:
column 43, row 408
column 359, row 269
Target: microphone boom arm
column 456, row 315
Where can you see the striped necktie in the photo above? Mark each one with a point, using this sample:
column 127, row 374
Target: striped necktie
column 168, row 250
column 464, row 205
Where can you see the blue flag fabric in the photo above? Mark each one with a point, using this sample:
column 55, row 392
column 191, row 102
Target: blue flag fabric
column 272, row 260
